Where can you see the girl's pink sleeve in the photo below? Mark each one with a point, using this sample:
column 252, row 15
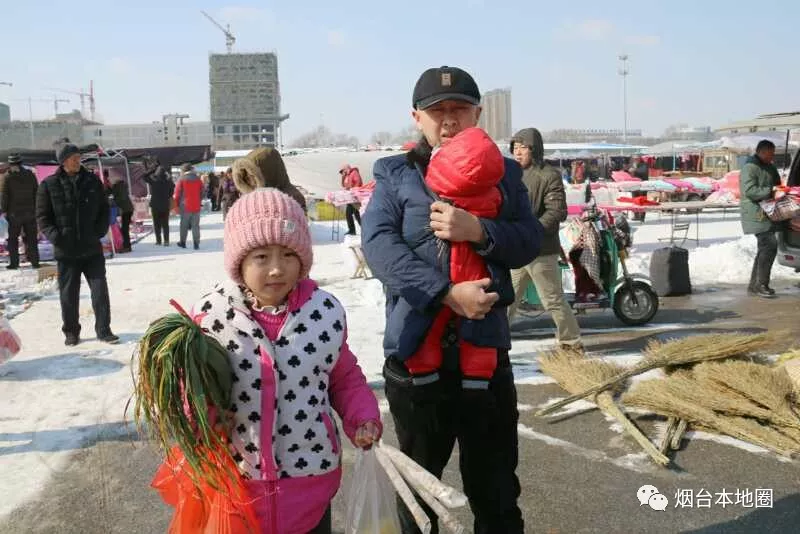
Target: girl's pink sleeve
column 350, row 395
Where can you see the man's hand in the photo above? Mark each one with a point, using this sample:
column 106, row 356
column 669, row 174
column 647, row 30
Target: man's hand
column 470, row 299
column 455, row 225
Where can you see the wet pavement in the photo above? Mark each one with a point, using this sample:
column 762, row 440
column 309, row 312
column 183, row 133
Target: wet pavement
column 578, row 475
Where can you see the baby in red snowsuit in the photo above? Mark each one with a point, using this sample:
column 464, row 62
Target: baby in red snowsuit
column 466, row 173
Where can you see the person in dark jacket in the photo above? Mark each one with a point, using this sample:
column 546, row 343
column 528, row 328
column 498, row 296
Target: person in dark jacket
column 757, row 182
column 351, row 177
column 549, row 202
column 18, row 187
column 228, row 194
column 405, row 238
column 118, row 188
column 213, row 190
column 73, row 212
column 640, row 170
column 161, row 190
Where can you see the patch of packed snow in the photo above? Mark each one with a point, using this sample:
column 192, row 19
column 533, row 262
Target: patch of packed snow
column 724, row 255
column 638, row 462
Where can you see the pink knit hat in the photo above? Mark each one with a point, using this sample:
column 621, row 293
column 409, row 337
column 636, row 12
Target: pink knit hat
column 265, row 217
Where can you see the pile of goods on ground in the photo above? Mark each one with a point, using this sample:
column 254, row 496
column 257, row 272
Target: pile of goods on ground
column 719, row 383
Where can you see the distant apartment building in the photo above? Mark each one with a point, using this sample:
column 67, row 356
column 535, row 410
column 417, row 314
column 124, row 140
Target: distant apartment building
column 496, row 115
column 245, row 100
column 38, row 134
column 772, row 122
column 5, row 113
column 171, row 131
column 684, row 132
column 582, row 135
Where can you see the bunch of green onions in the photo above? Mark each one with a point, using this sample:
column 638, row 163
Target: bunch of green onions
column 178, row 362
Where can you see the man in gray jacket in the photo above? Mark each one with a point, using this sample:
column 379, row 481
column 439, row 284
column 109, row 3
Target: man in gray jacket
column 549, row 203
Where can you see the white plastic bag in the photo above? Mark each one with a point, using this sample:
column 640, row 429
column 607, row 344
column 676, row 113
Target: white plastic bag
column 10, row 344
column 372, row 504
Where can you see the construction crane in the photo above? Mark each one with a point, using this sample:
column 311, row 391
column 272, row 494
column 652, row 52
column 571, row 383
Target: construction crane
column 83, row 96
column 55, row 100
column 230, row 40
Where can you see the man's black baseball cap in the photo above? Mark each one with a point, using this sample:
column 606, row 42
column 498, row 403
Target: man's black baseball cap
column 445, row 83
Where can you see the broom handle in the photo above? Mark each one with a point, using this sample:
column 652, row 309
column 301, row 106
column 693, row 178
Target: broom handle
column 666, row 441
column 677, row 437
column 420, row 518
column 607, row 404
column 444, row 515
column 450, row 497
column 602, row 386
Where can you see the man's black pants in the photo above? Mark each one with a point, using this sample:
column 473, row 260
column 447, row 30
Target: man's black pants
column 31, row 231
column 352, row 215
column 765, row 257
column 69, row 285
column 430, row 418
column 161, row 225
column 125, row 229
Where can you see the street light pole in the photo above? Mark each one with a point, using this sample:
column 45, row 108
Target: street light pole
column 30, row 113
column 624, row 71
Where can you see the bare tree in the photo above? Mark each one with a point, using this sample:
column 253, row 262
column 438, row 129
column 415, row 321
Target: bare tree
column 322, row 137
column 381, row 138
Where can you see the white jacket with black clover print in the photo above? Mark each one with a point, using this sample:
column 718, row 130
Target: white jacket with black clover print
column 283, row 392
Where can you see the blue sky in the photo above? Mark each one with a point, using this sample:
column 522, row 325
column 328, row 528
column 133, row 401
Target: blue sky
column 352, row 64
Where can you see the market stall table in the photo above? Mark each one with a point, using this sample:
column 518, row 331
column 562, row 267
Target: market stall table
column 674, row 208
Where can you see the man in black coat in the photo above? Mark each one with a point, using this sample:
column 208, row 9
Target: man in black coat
column 161, row 189
column 72, row 211
column 18, row 202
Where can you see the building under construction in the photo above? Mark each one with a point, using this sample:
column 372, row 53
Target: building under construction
column 245, row 100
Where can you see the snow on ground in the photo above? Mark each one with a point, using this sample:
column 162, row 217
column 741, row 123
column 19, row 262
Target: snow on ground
column 724, row 255
column 56, row 399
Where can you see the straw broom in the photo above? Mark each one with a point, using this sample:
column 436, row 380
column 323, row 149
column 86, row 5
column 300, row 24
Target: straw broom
column 752, row 431
column 575, row 373
column 687, row 351
column 769, row 390
column 666, row 397
column 792, row 367
column 792, row 354
column 723, row 401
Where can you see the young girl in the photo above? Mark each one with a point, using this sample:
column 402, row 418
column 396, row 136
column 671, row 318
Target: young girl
column 287, row 342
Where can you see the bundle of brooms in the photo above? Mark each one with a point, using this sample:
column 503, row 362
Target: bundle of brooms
column 575, row 374
column 675, row 354
column 713, row 383
column 746, row 400
column 182, row 379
